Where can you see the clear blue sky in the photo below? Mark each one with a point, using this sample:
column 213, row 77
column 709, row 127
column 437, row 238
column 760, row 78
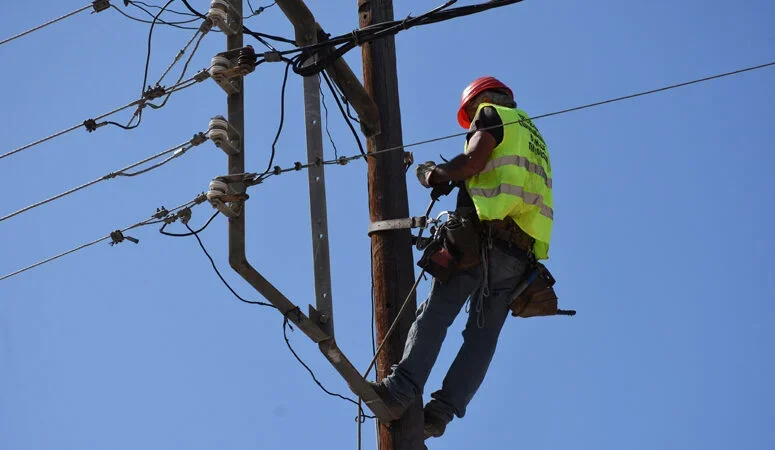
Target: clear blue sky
column 662, row 239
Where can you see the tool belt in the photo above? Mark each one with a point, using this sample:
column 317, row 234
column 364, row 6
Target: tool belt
column 455, row 247
column 506, row 232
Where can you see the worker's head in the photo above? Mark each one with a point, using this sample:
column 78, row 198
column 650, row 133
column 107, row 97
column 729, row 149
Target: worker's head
column 483, row 90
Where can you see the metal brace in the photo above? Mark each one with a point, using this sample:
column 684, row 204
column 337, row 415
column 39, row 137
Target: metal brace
column 398, row 224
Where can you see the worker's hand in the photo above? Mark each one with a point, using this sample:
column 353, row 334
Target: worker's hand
column 424, row 172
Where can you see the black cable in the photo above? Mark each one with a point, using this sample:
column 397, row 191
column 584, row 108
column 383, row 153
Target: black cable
column 376, row 31
column 217, row 272
column 255, row 12
column 167, row 233
column 286, row 325
column 344, row 114
column 328, row 132
column 160, row 21
column 257, row 36
column 148, row 21
column 193, row 11
column 150, row 36
column 282, row 121
column 159, row 7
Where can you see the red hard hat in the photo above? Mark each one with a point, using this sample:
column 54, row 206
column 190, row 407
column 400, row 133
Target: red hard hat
column 476, row 87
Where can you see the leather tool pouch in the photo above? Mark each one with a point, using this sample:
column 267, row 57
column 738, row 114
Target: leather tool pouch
column 539, row 298
column 456, row 247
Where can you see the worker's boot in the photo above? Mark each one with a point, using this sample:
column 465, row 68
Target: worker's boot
column 434, row 424
column 395, row 408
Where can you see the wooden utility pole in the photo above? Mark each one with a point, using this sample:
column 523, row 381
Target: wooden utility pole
column 391, row 250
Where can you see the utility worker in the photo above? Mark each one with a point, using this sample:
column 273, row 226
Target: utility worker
column 507, row 175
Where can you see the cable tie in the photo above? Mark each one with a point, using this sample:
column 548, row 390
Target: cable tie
column 118, row 237
column 343, row 160
column 297, row 165
column 101, row 5
column 356, row 37
column 274, row 56
column 277, row 170
column 160, row 213
column 111, row 175
column 198, row 139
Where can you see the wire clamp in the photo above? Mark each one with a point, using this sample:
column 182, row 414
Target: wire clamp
column 184, row 215
column 198, row 139
column 224, row 135
column 161, row 213
column 100, row 5
column 153, row 93
column 118, row 237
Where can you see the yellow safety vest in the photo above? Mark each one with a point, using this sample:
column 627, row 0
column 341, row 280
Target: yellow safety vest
column 517, row 180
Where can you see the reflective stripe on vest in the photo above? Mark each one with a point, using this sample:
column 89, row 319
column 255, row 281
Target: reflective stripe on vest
column 519, row 161
column 517, row 191
column 516, row 182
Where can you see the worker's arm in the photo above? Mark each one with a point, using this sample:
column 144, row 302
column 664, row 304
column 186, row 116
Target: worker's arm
column 464, row 166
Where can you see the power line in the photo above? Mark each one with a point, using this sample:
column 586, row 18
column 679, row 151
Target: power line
column 255, row 12
column 286, row 325
column 282, row 119
column 50, row 22
column 328, row 132
column 169, row 10
column 161, row 215
column 177, row 151
column 172, row 24
column 183, row 52
column 92, row 124
column 212, row 262
column 342, row 160
column 360, row 36
column 150, row 37
column 258, row 36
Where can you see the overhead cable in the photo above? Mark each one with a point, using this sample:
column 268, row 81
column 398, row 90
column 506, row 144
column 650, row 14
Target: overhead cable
column 182, row 52
column 169, row 10
column 98, row 6
column 191, row 232
column 150, row 37
column 343, row 160
column 258, row 36
column 177, row 151
column 172, row 24
column 372, row 32
column 162, row 215
column 92, row 124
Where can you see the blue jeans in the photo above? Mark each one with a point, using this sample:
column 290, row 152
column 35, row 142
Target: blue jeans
column 487, row 313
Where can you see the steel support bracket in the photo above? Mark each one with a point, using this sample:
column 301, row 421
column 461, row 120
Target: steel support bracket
column 398, row 224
